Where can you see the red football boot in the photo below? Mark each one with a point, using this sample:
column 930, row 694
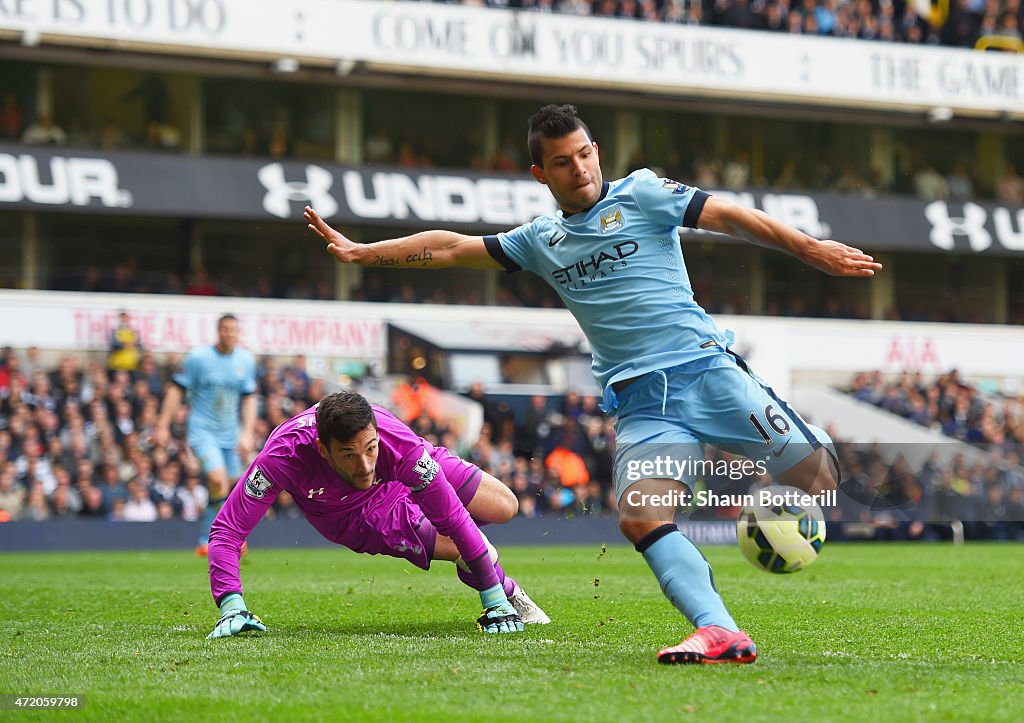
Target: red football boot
column 711, row 644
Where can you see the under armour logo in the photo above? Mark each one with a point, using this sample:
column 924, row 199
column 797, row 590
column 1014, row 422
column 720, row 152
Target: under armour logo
column 945, row 227
column 280, row 191
column 315, row 492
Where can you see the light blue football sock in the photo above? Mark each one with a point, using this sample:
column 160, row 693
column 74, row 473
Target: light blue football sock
column 206, row 521
column 685, row 577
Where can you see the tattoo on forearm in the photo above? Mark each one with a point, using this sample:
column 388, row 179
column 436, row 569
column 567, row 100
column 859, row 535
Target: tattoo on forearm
column 423, row 257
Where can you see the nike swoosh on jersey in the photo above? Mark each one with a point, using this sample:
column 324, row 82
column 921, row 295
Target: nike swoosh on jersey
column 778, row 452
column 555, row 240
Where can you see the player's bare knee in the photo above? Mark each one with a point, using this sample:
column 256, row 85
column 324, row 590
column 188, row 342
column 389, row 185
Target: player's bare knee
column 828, row 479
column 508, row 507
column 504, row 503
column 494, row 502
column 828, row 472
column 814, row 474
column 637, row 529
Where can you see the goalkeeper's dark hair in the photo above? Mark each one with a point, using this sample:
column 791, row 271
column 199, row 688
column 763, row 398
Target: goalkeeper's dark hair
column 552, row 121
column 343, row 415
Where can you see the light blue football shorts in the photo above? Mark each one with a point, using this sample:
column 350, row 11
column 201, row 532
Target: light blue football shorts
column 212, row 456
column 665, row 418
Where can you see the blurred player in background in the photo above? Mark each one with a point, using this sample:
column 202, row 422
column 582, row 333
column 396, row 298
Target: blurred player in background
column 365, row 480
column 220, row 382
column 612, row 253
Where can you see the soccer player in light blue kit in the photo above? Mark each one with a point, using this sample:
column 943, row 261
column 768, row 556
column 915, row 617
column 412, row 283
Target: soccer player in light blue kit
column 612, row 253
column 220, row 382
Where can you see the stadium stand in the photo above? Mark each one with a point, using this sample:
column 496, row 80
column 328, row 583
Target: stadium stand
column 77, row 441
column 931, row 190
column 948, row 404
column 964, row 24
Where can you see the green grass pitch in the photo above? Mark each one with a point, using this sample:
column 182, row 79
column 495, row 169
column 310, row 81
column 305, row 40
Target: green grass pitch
column 879, row 632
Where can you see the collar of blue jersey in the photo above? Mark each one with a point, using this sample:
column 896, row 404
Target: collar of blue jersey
column 581, row 214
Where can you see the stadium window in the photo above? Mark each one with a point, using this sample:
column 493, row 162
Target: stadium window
column 1013, row 156
column 415, row 129
column 970, row 287
column 17, row 99
column 465, row 369
column 524, row 369
column 1015, row 287
column 268, row 119
column 919, row 149
column 412, row 286
column 10, row 238
column 273, row 264
column 113, row 108
column 721, row 274
column 526, row 290
column 794, row 289
column 120, row 255
column 671, row 144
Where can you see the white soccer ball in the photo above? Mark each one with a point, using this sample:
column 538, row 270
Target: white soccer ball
column 783, row 536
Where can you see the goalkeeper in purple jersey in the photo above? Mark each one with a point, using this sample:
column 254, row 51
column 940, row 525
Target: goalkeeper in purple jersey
column 365, row 480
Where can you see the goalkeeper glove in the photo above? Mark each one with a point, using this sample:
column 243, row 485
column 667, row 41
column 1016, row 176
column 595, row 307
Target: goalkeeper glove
column 234, row 618
column 498, row 616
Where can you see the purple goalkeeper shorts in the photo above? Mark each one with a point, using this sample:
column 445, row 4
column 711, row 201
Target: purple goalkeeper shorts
column 401, row 529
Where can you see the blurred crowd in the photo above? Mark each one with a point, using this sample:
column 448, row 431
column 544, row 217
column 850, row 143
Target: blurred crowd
column 78, row 440
column 889, row 499
column 888, row 20
column 948, row 404
column 557, row 456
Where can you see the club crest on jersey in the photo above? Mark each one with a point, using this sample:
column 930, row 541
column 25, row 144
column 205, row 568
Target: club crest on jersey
column 611, row 219
column 257, row 484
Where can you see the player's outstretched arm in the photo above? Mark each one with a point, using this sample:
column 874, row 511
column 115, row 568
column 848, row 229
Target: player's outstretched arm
column 235, row 618
column 831, row 257
column 425, row 250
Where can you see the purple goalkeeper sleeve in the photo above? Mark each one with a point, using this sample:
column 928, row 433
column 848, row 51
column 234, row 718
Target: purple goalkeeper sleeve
column 241, row 512
column 433, row 493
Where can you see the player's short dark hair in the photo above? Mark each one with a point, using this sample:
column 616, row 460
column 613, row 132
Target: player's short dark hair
column 552, row 121
column 226, row 317
column 343, row 415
